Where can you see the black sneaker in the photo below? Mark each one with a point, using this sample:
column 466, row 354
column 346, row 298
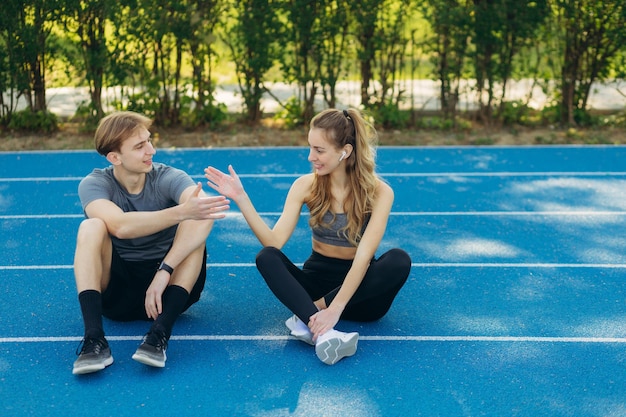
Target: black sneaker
column 152, row 350
column 93, row 355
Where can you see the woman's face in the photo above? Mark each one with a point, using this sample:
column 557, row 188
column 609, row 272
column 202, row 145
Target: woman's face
column 322, row 154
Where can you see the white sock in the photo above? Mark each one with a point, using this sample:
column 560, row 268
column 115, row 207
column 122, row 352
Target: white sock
column 301, row 328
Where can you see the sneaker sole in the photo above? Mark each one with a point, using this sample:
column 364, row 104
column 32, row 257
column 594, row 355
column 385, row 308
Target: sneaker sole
column 306, row 338
column 146, row 360
column 333, row 350
column 88, row 369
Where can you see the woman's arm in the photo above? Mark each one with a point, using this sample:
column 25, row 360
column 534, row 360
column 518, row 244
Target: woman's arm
column 231, row 187
column 326, row 319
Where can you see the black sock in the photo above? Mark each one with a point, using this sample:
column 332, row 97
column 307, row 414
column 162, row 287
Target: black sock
column 91, row 307
column 174, row 301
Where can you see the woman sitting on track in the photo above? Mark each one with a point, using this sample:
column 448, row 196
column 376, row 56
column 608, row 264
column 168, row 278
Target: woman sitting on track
column 349, row 207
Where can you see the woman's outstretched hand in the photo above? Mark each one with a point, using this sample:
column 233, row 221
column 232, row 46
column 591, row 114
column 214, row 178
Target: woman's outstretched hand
column 227, row 185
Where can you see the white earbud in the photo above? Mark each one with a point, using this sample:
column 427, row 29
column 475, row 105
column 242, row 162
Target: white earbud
column 343, row 155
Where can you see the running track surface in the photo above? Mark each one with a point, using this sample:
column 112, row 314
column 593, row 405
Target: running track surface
column 514, row 305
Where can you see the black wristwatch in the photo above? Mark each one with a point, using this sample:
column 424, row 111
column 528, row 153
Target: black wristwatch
column 166, row 268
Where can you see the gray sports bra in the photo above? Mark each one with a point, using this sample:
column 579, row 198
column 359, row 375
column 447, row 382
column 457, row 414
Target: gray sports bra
column 332, row 234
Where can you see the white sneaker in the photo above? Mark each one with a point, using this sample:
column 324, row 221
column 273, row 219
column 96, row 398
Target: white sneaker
column 334, row 345
column 295, row 325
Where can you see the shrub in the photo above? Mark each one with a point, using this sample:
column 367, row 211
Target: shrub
column 389, row 116
column 514, row 112
column 29, row 121
column 87, row 116
column 212, row 114
column 292, row 112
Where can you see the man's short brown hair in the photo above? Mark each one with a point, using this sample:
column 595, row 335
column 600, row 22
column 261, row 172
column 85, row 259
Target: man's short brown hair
column 115, row 128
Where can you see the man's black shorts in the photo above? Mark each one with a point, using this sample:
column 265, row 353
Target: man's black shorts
column 124, row 298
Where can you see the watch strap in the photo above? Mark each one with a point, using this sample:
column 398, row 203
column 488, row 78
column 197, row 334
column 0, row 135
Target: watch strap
column 166, row 268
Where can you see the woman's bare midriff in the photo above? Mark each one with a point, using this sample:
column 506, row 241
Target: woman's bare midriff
column 333, row 251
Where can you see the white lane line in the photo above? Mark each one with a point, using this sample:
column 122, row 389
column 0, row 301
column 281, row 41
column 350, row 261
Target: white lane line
column 414, row 264
column 223, row 338
column 382, row 174
column 572, row 213
column 41, row 216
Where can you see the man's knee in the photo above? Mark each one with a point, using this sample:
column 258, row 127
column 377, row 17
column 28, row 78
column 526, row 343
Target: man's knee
column 189, row 272
column 91, row 229
column 93, row 237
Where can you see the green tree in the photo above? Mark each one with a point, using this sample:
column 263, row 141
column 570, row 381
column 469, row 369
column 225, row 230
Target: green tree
column 12, row 80
column 149, row 47
column 366, row 18
column 204, row 17
column 302, row 61
column 500, row 29
column 391, row 40
column 132, row 60
column 171, row 30
column 87, row 19
column 28, row 26
column 251, row 40
column 333, row 54
column 317, row 35
column 592, row 34
column 450, row 21
column 382, row 38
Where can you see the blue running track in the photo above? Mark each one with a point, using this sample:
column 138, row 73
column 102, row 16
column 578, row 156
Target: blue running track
column 515, row 306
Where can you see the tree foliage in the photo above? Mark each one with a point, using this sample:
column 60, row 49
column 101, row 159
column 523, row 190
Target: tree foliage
column 500, row 29
column 160, row 56
column 591, row 37
column 450, row 20
column 253, row 55
column 87, row 19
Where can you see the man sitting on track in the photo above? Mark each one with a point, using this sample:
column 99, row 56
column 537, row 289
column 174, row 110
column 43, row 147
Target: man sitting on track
column 141, row 251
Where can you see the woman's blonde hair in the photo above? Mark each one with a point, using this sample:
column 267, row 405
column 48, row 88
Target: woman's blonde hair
column 341, row 128
column 115, row 128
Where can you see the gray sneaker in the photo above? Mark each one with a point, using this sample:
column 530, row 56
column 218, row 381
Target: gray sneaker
column 152, row 350
column 334, row 345
column 93, row 355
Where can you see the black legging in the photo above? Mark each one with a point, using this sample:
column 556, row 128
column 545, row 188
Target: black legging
column 322, row 276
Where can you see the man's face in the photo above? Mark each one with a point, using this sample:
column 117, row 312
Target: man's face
column 137, row 151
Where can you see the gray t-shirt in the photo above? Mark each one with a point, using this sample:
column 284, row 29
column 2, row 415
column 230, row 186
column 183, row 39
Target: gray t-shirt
column 163, row 188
